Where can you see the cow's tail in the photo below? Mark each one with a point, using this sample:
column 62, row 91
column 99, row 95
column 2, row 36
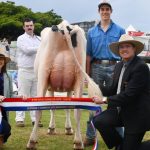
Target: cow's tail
column 93, row 88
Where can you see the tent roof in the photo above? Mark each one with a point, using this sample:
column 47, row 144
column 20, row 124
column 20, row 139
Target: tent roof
column 130, row 28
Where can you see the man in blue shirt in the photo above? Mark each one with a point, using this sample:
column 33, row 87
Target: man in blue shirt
column 100, row 60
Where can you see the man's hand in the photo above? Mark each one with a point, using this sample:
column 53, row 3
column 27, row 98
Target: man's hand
column 23, row 97
column 2, row 98
column 97, row 100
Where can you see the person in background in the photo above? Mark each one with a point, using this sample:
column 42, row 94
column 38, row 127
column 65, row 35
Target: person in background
column 6, row 90
column 27, row 45
column 128, row 98
column 15, row 78
column 100, row 60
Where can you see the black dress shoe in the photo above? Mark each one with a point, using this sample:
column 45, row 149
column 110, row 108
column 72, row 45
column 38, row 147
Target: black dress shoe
column 89, row 142
column 118, row 147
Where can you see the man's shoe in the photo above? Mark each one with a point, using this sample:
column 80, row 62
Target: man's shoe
column 20, row 124
column 1, row 140
column 118, row 147
column 39, row 125
column 89, row 142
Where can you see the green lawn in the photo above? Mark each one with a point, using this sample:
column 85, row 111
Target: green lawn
column 20, row 136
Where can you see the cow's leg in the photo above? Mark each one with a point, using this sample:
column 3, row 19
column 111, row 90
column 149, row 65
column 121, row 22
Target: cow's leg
column 78, row 143
column 51, row 129
column 68, row 126
column 52, row 125
column 33, row 138
column 41, row 90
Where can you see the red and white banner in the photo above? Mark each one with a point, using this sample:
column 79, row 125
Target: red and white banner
column 46, row 103
column 135, row 33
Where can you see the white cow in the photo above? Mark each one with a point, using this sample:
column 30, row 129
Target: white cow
column 60, row 67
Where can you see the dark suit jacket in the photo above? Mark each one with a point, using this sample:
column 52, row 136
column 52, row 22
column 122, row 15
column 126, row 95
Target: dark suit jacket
column 134, row 98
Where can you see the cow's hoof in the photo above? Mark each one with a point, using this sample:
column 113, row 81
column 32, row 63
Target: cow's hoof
column 30, row 148
column 31, row 145
column 68, row 131
column 51, row 131
column 78, row 146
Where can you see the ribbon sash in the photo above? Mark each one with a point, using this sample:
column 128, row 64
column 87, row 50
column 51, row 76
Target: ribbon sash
column 46, row 103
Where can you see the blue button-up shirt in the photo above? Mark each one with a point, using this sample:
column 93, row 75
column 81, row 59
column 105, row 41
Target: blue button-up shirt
column 98, row 41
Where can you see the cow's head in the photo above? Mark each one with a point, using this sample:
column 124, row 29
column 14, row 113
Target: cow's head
column 73, row 35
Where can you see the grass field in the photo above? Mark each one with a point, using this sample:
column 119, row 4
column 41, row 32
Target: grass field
column 20, row 136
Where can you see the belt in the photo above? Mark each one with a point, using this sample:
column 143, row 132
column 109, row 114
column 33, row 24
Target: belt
column 26, row 68
column 104, row 62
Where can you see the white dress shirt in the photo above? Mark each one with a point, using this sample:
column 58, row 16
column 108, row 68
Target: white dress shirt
column 27, row 48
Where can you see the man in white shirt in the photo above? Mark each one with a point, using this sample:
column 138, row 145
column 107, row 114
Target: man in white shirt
column 27, row 45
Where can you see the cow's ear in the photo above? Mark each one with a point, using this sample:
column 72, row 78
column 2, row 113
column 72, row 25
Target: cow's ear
column 74, row 40
column 69, row 29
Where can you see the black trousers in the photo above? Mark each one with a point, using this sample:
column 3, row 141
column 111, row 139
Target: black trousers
column 106, row 124
column 5, row 126
column 6, row 130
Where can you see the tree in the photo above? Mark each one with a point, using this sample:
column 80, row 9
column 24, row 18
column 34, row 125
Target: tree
column 12, row 17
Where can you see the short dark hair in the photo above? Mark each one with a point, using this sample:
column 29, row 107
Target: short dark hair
column 27, row 20
column 104, row 3
column 4, row 67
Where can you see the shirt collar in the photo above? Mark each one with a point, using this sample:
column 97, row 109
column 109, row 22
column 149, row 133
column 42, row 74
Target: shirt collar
column 29, row 36
column 110, row 25
column 128, row 62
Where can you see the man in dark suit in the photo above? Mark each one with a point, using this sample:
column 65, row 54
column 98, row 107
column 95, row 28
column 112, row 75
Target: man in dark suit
column 128, row 98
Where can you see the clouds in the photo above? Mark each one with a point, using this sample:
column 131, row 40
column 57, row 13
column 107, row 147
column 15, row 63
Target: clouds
column 132, row 12
column 73, row 11
column 125, row 12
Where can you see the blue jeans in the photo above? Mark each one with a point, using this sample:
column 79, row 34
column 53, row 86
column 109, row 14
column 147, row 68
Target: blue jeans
column 90, row 132
column 101, row 74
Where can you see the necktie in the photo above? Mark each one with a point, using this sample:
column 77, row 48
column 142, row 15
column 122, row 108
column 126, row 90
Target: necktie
column 120, row 78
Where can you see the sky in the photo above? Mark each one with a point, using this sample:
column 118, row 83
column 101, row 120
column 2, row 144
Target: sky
column 125, row 12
